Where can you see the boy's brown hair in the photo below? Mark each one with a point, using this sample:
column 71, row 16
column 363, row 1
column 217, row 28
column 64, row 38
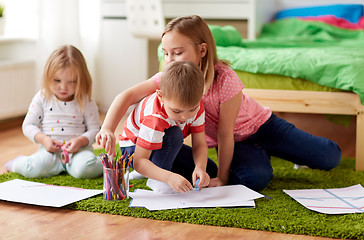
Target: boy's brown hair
column 68, row 56
column 183, row 81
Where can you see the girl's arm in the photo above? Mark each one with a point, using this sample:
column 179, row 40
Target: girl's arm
column 106, row 138
column 32, row 122
column 144, row 166
column 33, row 118
column 225, row 136
column 92, row 121
column 50, row 144
column 200, row 155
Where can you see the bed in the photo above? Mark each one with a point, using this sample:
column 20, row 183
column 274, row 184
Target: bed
column 304, row 64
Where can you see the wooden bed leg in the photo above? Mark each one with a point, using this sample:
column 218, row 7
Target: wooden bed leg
column 359, row 154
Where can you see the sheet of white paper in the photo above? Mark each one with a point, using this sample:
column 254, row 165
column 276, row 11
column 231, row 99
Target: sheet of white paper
column 225, row 196
column 22, row 191
column 153, row 204
column 331, row 201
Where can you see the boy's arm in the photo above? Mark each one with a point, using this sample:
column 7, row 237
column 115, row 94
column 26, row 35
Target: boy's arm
column 105, row 138
column 200, row 155
column 144, row 166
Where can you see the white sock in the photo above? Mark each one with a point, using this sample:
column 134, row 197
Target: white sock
column 134, row 175
column 159, row 187
column 296, row 166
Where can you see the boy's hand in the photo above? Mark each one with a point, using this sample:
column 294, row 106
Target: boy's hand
column 106, row 139
column 202, row 175
column 179, row 183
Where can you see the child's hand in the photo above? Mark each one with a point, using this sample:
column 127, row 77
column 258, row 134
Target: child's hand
column 216, row 182
column 51, row 145
column 202, row 175
column 179, row 183
column 106, row 140
column 74, row 145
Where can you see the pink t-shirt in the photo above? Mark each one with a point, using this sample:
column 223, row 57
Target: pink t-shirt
column 225, row 86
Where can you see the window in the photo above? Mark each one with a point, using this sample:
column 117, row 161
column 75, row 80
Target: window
column 21, row 18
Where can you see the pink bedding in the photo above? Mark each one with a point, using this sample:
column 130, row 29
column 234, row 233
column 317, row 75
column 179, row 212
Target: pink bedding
column 338, row 22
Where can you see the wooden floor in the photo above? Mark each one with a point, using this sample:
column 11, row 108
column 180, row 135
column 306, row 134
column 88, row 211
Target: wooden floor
column 21, row 221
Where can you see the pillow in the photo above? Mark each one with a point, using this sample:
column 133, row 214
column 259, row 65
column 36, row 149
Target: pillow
column 350, row 12
column 226, row 36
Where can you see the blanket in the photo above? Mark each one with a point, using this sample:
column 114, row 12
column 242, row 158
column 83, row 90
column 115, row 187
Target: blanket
column 311, row 50
column 316, row 51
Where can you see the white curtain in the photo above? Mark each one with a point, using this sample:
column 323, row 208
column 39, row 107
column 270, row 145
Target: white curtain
column 73, row 22
column 53, row 23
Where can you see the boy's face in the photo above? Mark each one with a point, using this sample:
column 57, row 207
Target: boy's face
column 176, row 111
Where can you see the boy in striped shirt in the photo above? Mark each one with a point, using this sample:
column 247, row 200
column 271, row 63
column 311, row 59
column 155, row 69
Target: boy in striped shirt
column 155, row 130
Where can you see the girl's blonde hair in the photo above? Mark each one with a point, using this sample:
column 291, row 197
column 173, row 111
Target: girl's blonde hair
column 177, row 81
column 68, row 56
column 196, row 29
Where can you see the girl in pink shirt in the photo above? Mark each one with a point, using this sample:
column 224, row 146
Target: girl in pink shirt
column 244, row 133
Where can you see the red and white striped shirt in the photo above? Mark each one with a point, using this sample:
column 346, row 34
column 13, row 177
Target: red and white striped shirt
column 146, row 124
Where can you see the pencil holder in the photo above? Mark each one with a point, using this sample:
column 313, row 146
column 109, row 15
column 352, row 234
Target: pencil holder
column 116, row 183
column 116, row 176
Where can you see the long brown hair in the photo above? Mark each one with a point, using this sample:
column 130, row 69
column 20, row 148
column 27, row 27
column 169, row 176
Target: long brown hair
column 196, row 29
column 68, row 56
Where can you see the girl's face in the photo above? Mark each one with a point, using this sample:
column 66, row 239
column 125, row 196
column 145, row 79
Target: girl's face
column 177, row 47
column 64, row 84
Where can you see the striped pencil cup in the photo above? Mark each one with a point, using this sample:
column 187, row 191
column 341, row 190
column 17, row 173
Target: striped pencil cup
column 116, row 183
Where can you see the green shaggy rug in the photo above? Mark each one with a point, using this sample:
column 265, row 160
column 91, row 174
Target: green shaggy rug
column 279, row 214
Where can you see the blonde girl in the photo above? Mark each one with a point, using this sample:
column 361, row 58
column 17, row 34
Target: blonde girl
column 244, row 133
column 63, row 119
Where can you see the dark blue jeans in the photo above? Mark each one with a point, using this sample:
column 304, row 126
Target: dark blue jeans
column 175, row 156
column 251, row 161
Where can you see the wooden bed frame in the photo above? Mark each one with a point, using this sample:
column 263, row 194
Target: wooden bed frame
column 296, row 101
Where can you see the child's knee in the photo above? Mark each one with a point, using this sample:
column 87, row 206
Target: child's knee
column 34, row 166
column 85, row 165
column 332, row 157
column 256, row 179
column 173, row 135
column 259, row 182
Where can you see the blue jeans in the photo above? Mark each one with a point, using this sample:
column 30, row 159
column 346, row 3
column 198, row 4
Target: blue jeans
column 175, row 156
column 251, row 161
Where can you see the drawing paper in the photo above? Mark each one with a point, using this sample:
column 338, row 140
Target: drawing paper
column 331, row 201
column 41, row 194
column 225, row 196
